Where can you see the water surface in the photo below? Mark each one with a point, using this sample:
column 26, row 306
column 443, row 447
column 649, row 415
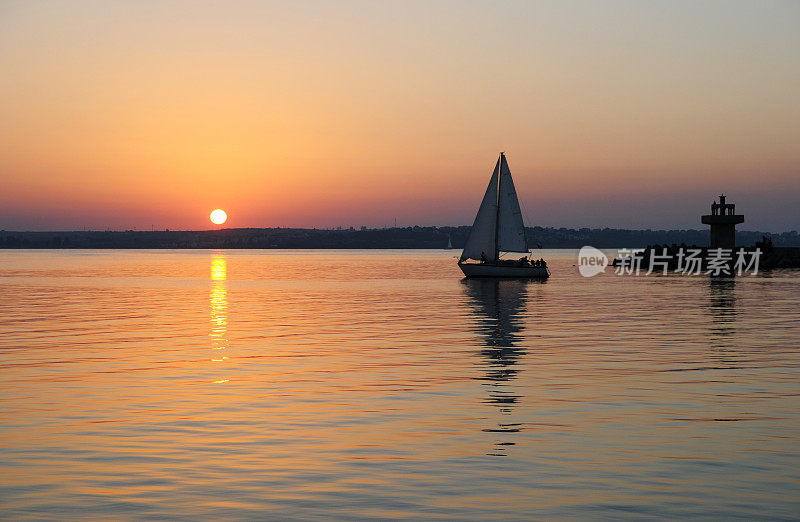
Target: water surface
column 363, row 384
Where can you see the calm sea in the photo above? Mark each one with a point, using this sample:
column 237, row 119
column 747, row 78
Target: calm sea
column 379, row 384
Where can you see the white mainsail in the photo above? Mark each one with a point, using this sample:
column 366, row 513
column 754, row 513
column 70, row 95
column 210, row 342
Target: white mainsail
column 481, row 240
column 511, row 229
column 498, row 214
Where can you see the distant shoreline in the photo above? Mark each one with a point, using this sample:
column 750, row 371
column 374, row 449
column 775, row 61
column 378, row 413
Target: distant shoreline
column 364, row 238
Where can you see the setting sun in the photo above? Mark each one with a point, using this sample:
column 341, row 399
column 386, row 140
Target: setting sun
column 219, row 216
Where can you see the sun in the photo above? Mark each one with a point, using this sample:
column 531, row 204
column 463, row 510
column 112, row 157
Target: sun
column 219, row 216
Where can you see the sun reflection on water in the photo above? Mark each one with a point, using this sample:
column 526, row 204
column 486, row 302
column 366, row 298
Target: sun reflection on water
column 219, row 307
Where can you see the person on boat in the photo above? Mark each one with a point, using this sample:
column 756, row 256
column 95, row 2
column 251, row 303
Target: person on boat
column 483, row 257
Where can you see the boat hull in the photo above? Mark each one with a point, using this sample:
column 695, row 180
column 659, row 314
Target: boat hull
column 489, row 270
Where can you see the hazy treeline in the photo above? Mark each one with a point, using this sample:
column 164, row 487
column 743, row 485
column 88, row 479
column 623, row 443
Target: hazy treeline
column 401, row 238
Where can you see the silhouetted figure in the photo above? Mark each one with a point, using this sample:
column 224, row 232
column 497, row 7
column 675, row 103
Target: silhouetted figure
column 723, row 220
column 765, row 244
column 483, row 257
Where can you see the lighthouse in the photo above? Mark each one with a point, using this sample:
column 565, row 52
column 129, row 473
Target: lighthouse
column 723, row 220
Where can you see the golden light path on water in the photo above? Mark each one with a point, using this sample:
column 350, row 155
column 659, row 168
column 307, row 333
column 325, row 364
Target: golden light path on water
column 219, row 309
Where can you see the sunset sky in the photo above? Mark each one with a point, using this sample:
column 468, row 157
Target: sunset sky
column 620, row 114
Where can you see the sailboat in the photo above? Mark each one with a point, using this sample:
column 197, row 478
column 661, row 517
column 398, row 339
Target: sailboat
column 498, row 229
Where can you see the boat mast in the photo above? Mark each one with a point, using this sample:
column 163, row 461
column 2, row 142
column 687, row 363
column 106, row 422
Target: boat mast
column 497, row 216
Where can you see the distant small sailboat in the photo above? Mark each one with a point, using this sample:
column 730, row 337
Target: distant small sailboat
column 449, row 243
column 498, row 228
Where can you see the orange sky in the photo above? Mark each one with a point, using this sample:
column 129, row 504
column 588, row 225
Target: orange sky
column 322, row 114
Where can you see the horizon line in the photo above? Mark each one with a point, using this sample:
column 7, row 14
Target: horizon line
column 364, row 228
